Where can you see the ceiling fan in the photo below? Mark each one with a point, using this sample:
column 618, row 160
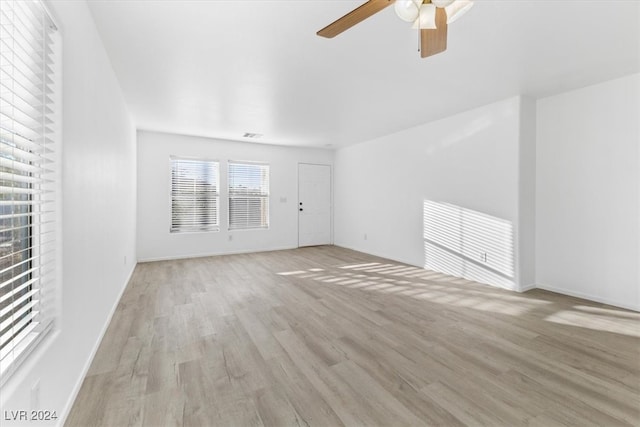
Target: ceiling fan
column 431, row 17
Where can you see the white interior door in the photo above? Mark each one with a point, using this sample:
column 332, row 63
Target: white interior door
column 314, row 205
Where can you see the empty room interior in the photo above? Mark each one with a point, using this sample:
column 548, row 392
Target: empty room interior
column 319, row 213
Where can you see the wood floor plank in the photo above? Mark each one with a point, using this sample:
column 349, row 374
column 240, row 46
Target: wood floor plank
column 301, row 393
column 326, row 336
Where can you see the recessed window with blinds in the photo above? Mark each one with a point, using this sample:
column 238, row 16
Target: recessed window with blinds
column 195, row 195
column 28, row 178
column 248, row 195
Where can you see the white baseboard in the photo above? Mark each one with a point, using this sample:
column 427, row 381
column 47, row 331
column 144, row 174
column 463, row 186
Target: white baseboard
column 588, row 297
column 208, row 254
column 94, row 350
column 526, row 288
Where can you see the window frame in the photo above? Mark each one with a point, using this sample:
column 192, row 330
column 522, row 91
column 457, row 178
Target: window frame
column 266, row 197
column 202, row 229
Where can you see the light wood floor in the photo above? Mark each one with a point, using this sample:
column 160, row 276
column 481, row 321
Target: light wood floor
column 327, row 336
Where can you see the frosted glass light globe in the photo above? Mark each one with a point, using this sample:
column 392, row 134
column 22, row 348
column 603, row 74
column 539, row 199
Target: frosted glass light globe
column 427, row 17
column 457, row 9
column 441, row 3
column 407, row 10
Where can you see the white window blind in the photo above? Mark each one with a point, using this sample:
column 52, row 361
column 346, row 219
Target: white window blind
column 248, row 195
column 194, row 195
column 28, row 178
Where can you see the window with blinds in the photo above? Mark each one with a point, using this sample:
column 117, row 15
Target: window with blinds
column 194, row 195
column 248, row 195
column 28, row 178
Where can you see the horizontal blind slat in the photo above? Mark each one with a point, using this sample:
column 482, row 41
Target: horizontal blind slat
column 15, row 291
column 22, row 167
column 20, row 312
column 8, row 282
column 18, row 301
column 16, row 341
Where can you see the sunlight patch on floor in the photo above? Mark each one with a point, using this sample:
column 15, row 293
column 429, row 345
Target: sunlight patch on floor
column 614, row 313
column 292, row 273
column 611, row 322
column 439, row 288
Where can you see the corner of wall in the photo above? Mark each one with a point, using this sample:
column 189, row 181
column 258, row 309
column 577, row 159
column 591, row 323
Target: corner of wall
column 526, row 217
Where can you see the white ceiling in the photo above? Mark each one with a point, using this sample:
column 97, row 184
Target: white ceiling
column 222, row 68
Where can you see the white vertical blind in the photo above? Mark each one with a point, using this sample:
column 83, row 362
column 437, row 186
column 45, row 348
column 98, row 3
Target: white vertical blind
column 28, row 178
column 194, row 195
column 248, row 195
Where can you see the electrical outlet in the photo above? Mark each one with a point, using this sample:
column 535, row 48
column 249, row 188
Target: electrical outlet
column 365, row 236
column 230, row 237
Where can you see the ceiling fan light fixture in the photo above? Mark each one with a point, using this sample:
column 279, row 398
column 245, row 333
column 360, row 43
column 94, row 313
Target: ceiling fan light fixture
column 456, row 9
column 427, row 17
column 407, row 10
column 441, row 3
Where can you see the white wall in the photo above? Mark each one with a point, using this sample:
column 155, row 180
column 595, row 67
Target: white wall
column 587, row 192
column 526, row 253
column 463, row 171
column 98, row 218
column 154, row 206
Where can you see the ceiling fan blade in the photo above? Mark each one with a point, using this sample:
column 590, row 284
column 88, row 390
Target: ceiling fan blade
column 354, row 17
column 434, row 41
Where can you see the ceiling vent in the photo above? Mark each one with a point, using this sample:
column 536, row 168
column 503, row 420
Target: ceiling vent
column 251, row 135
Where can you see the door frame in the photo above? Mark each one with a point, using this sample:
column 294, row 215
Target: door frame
column 331, row 242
